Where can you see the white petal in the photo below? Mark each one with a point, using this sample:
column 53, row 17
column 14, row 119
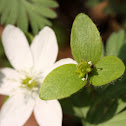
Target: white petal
column 16, row 48
column 16, row 110
column 44, row 48
column 9, row 80
column 64, row 61
column 48, row 113
column 59, row 63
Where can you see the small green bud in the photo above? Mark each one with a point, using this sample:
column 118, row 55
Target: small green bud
column 84, row 68
column 89, row 70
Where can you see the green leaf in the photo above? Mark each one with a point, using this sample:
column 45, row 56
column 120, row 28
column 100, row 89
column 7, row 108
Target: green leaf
column 5, row 13
column 37, row 22
column 2, row 5
column 116, row 45
column 44, row 11
column 22, row 21
column 47, row 3
column 33, row 23
column 115, row 90
column 121, row 106
column 101, row 111
column 86, row 42
column 80, row 111
column 61, row 82
column 106, row 70
column 21, row 12
column 118, row 120
column 13, row 14
column 79, row 103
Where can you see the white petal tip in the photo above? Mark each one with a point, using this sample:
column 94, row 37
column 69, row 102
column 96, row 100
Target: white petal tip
column 83, row 79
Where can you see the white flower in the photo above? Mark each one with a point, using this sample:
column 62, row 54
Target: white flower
column 31, row 65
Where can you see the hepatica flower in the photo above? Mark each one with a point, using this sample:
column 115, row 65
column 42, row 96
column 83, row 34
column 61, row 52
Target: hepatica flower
column 31, row 65
column 91, row 68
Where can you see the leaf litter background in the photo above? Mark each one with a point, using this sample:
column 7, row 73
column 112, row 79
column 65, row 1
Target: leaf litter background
column 100, row 104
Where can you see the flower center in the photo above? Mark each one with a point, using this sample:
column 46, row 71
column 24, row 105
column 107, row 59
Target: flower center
column 83, row 69
column 29, row 83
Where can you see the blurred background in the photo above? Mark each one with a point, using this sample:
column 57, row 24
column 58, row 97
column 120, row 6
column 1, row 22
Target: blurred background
column 109, row 17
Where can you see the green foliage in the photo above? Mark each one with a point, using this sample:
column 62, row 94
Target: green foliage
column 117, row 120
column 106, row 70
column 87, row 50
column 79, row 102
column 92, row 106
column 99, row 106
column 23, row 12
column 113, row 92
column 116, row 45
column 67, row 83
column 102, row 106
column 117, row 41
column 101, row 111
column 85, row 40
column 121, row 106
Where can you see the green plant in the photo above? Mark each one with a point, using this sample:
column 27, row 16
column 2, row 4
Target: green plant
column 106, row 105
column 86, row 48
column 25, row 12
